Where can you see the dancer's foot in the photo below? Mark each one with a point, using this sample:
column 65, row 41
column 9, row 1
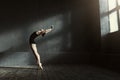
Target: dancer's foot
column 40, row 66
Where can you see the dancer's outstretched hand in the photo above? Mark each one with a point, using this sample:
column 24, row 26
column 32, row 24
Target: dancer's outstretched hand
column 52, row 26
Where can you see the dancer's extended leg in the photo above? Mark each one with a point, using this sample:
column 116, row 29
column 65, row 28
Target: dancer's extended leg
column 34, row 49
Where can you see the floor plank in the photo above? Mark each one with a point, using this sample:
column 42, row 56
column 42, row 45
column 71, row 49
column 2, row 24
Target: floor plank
column 58, row 72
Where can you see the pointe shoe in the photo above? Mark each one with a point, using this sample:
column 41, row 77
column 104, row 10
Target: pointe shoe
column 40, row 66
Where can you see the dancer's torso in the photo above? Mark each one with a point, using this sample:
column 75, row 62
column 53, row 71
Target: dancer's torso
column 32, row 37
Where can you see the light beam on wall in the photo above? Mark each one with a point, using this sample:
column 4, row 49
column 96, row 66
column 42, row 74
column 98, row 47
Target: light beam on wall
column 10, row 39
column 58, row 40
column 49, row 47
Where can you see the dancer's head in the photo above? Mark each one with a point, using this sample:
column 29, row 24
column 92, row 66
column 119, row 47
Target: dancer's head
column 41, row 32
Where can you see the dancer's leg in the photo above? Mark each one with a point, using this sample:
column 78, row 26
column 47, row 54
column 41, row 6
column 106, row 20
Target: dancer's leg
column 34, row 49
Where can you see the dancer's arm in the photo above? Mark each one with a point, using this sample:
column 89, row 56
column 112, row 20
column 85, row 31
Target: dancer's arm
column 49, row 30
column 43, row 32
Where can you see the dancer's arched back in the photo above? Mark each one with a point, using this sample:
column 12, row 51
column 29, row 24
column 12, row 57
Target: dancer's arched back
column 41, row 32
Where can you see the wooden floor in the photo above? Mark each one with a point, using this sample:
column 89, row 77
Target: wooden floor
column 57, row 72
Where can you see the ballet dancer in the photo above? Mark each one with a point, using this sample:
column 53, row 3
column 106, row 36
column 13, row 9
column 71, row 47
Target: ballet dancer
column 41, row 32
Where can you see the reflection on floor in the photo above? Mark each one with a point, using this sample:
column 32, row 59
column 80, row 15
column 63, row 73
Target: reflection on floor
column 57, row 72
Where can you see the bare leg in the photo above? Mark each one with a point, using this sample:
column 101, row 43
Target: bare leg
column 34, row 49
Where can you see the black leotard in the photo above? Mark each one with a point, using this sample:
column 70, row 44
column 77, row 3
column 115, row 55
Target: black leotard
column 32, row 37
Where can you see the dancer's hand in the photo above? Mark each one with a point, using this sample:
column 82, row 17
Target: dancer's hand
column 52, row 26
column 49, row 30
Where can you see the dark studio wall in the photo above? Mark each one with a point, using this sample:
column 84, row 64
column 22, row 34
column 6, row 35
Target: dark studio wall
column 86, row 30
column 75, row 37
column 86, row 25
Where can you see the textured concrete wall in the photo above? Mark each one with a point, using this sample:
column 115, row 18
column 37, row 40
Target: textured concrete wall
column 76, row 31
column 20, row 19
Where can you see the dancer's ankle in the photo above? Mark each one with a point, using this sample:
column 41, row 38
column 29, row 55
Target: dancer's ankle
column 40, row 66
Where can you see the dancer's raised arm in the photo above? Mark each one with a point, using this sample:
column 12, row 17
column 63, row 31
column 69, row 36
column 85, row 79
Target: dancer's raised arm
column 49, row 30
